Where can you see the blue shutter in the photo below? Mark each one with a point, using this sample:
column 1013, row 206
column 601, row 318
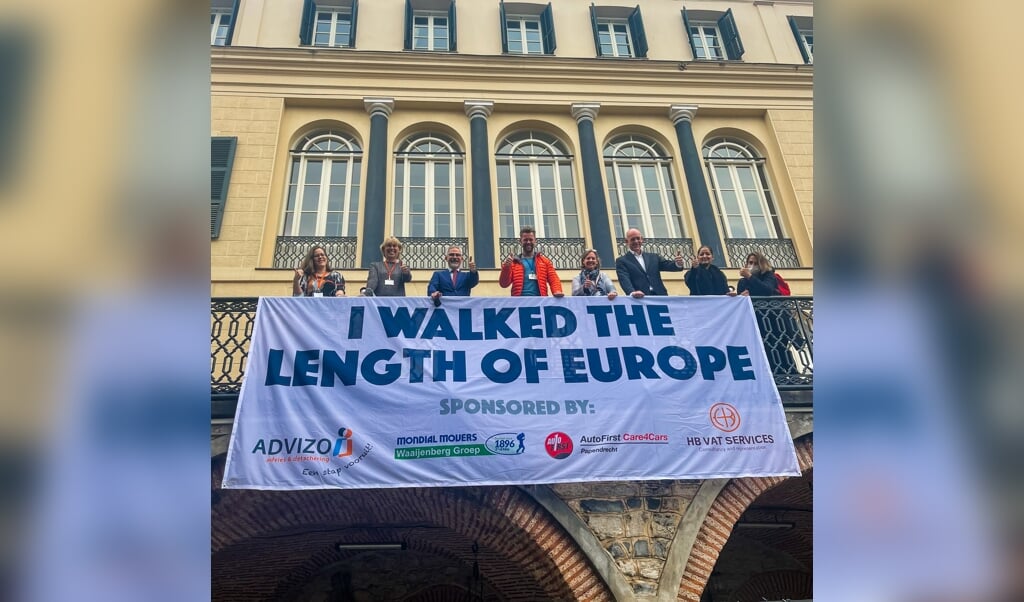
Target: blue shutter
column 222, row 155
column 352, row 28
column 593, row 22
column 799, row 39
column 451, row 28
column 730, row 36
column 234, row 19
column 636, row 26
column 408, row 24
column 306, row 27
column 689, row 34
column 504, row 27
column 547, row 26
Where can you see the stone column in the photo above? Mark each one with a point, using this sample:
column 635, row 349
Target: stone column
column 703, row 210
column 597, row 206
column 374, row 206
column 483, row 242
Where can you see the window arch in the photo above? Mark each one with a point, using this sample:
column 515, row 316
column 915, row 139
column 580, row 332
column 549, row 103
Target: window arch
column 429, row 191
column 535, row 186
column 323, row 186
column 640, row 188
column 745, row 205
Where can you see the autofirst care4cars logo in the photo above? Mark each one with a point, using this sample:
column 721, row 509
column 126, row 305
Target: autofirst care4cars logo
column 726, row 418
column 558, row 445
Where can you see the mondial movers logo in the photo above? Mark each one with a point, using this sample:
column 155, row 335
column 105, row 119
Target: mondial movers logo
column 302, row 449
column 558, row 445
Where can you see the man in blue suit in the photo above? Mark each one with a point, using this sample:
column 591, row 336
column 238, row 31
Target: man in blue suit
column 639, row 273
column 454, row 282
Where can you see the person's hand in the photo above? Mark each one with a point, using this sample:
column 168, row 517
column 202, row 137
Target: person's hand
column 507, row 261
column 731, row 293
column 637, row 294
column 695, row 263
column 745, row 294
column 298, row 272
column 472, row 264
column 405, row 269
column 588, row 283
column 558, row 295
column 744, row 272
column 435, row 295
column 612, row 295
column 679, row 258
column 339, row 293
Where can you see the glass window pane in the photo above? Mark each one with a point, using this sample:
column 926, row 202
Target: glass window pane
column 522, row 175
column 548, row 201
column 417, row 174
column 632, row 201
column 321, row 39
column 356, row 174
column 572, row 227
column 307, row 224
column 546, row 174
column 442, row 174
column 442, row 225
column 753, row 202
column 417, row 225
column 339, row 172
column 288, row 218
column 505, row 200
column 650, row 176
column 525, row 198
column 626, row 177
column 291, row 197
column 746, row 176
column 335, row 198
column 729, row 201
column 504, row 176
column 333, row 224
column 660, row 227
column 417, row 200
column 310, row 198
column 761, row 228
column 442, row 200
column 313, row 171
column 736, row 228
column 654, row 202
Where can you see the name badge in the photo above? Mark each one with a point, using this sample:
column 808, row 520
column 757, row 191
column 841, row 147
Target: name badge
column 532, row 276
column 318, row 294
column 389, row 283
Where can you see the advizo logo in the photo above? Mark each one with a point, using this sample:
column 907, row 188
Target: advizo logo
column 340, row 447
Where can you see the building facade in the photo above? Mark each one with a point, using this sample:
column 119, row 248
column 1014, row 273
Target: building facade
column 448, row 122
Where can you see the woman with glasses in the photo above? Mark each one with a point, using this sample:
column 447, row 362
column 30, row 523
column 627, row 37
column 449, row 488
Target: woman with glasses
column 591, row 281
column 315, row 278
column 387, row 278
column 704, row 277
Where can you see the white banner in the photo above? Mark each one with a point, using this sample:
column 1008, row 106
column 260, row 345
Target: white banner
column 394, row 392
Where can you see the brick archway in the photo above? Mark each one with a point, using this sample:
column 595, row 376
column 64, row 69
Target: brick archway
column 722, row 516
column 268, row 544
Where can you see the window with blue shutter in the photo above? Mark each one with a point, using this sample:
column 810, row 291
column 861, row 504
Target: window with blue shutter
column 547, row 25
column 428, row 28
column 222, row 155
column 804, row 33
column 222, row 22
column 331, row 26
column 636, row 28
column 730, row 36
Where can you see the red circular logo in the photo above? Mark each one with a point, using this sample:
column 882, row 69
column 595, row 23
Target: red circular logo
column 558, row 445
column 724, row 417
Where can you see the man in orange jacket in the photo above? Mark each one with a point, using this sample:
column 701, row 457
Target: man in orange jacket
column 530, row 274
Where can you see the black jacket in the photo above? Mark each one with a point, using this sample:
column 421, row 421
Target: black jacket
column 633, row 278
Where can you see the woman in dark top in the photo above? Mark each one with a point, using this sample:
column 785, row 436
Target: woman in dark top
column 757, row 279
column 704, row 277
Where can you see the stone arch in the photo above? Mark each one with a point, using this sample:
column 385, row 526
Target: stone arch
column 721, row 517
column 268, row 543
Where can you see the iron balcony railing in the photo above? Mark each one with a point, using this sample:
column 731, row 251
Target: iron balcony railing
column 786, row 325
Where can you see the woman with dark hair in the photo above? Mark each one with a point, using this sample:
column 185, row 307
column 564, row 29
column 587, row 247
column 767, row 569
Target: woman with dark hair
column 591, row 281
column 757, row 279
column 315, row 278
column 704, row 277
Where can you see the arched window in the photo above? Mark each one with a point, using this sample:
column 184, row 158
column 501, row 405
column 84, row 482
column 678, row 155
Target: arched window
column 640, row 188
column 744, row 198
column 323, row 186
column 429, row 196
column 535, row 186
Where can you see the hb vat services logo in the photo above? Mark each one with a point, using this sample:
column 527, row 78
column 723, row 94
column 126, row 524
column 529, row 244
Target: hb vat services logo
column 724, row 417
column 558, row 445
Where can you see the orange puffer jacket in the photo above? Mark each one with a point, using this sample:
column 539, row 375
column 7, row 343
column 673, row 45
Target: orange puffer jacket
column 547, row 277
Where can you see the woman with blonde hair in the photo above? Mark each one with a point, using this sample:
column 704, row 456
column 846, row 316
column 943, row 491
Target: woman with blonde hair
column 315, row 278
column 757, row 279
column 387, row 278
column 591, row 282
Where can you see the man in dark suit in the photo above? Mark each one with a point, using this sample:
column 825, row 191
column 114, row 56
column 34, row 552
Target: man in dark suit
column 454, row 282
column 639, row 273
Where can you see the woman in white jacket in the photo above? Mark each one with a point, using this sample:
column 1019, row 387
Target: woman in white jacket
column 591, row 281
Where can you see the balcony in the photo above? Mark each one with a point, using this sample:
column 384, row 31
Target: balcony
column 786, row 324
